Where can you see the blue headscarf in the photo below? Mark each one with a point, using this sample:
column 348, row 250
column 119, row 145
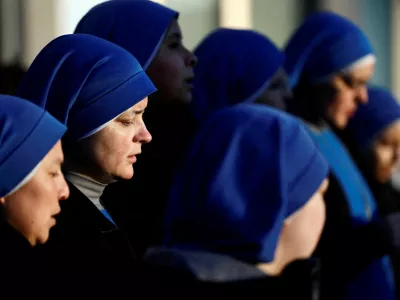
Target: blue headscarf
column 27, row 134
column 139, row 26
column 372, row 118
column 325, row 44
column 85, row 82
column 234, row 66
column 250, row 167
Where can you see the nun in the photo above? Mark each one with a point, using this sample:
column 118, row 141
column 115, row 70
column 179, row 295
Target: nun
column 151, row 32
column 248, row 204
column 100, row 95
column 31, row 187
column 373, row 139
column 238, row 66
column 329, row 61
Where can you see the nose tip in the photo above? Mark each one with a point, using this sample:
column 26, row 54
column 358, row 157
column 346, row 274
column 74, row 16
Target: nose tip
column 64, row 192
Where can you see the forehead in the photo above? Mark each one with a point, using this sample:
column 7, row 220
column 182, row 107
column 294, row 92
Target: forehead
column 140, row 106
column 392, row 133
column 55, row 155
column 174, row 29
column 364, row 72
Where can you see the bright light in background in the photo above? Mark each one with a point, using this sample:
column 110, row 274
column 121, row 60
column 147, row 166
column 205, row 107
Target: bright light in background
column 236, row 14
column 70, row 12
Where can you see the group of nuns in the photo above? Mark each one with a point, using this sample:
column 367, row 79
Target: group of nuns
column 263, row 173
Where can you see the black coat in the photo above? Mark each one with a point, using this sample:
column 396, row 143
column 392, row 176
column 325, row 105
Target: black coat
column 18, row 265
column 179, row 274
column 87, row 253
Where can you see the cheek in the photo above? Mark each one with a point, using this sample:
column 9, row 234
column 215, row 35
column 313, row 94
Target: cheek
column 30, row 210
column 383, row 158
column 113, row 151
column 167, row 71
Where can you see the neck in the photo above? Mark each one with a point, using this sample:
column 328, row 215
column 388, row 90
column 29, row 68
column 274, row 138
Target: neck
column 92, row 189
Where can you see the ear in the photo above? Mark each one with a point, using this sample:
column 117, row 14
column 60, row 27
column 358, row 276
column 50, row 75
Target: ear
column 3, row 200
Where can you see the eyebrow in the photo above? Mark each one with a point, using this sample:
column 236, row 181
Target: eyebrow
column 176, row 35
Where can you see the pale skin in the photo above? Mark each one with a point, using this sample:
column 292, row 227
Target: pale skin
column 300, row 233
column 32, row 208
column 172, row 69
column 109, row 154
column 349, row 97
column 386, row 150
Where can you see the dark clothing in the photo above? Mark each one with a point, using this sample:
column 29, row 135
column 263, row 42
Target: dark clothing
column 202, row 275
column 18, row 266
column 387, row 197
column 86, row 252
column 346, row 248
column 138, row 205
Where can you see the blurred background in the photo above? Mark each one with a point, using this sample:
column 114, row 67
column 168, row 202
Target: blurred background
column 28, row 25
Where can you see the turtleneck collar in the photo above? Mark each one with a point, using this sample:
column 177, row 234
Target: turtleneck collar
column 92, row 189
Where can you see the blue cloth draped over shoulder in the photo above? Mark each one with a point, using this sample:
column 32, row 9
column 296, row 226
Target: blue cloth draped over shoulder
column 381, row 110
column 234, row 66
column 324, row 44
column 249, row 168
column 138, row 26
column 85, row 82
column 27, row 134
column 376, row 281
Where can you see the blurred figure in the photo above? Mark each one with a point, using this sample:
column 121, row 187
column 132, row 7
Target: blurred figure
column 101, row 96
column 10, row 78
column 238, row 66
column 150, row 32
column 31, row 187
column 248, row 203
column 329, row 61
column 373, row 139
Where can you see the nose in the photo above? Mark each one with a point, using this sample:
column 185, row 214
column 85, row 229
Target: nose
column 362, row 96
column 64, row 190
column 191, row 59
column 143, row 136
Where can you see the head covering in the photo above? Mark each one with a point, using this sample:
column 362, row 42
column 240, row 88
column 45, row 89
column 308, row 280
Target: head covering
column 250, row 167
column 234, row 66
column 85, row 82
column 139, row 26
column 325, row 44
column 27, row 134
column 373, row 117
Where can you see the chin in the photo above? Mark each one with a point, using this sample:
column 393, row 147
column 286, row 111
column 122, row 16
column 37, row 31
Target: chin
column 341, row 123
column 126, row 174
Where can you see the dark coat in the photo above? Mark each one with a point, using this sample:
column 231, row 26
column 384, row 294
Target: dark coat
column 204, row 275
column 86, row 252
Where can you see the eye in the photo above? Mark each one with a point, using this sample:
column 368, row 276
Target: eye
column 55, row 174
column 174, row 45
column 127, row 122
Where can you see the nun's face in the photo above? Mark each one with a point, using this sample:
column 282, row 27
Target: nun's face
column 31, row 209
column 277, row 92
column 109, row 154
column 386, row 150
column 172, row 68
column 302, row 230
column 350, row 91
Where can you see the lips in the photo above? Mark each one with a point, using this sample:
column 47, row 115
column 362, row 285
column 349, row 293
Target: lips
column 189, row 82
column 132, row 158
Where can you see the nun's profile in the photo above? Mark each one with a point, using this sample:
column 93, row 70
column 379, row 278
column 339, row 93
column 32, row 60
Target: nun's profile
column 101, row 96
column 151, row 33
column 329, row 61
column 248, row 203
column 31, row 185
column 238, row 66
